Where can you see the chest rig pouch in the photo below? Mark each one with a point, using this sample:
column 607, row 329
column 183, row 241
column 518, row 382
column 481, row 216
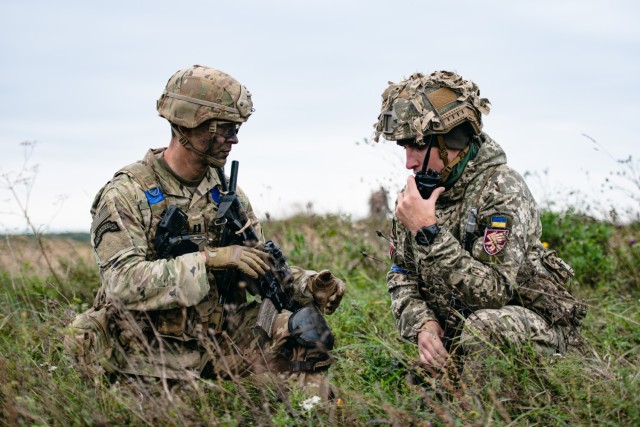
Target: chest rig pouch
column 548, row 292
column 167, row 230
column 543, row 283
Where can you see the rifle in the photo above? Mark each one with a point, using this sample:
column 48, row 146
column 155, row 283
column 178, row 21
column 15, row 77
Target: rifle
column 275, row 286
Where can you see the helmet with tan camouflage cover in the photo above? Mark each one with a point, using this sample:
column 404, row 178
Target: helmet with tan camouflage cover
column 434, row 104
column 197, row 94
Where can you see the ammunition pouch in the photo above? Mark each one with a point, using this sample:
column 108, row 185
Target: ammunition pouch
column 546, row 294
column 559, row 270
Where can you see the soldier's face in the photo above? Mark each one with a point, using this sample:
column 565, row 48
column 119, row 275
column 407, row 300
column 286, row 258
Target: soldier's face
column 415, row 157
column 219, row 144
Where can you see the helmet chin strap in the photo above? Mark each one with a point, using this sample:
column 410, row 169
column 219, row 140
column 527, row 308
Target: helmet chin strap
column 444, row 156
column 442, row 149
column 184, row 141
column 427, row 155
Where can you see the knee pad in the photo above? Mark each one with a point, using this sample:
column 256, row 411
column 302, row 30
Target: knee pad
column 309, row 329
column 87, row 341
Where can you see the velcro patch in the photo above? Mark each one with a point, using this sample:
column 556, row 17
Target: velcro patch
column 103, row 228
column 494, row 240
column 498, row 221
column 441, row 97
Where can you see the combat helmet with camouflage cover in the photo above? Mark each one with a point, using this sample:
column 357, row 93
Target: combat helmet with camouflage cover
column 435, row 104
column 197, row 94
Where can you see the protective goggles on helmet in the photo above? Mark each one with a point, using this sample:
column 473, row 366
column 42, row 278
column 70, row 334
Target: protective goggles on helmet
column 224, row 129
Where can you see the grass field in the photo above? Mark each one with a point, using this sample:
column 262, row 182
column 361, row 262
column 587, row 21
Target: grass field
column 372, row 373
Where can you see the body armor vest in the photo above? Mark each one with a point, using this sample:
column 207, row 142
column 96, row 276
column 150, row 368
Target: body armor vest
column 185, row 323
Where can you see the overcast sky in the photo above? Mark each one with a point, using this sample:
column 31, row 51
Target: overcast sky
column 82, row 78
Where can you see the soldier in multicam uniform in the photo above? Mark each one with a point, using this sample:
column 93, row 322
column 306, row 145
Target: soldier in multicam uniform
column 469, row 270
column 165, row 317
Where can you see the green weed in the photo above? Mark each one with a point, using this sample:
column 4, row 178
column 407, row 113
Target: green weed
column 374, row 371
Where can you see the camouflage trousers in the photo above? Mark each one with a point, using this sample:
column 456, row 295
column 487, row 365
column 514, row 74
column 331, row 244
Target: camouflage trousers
column 489, row 332
column 240, row 350
column 245, row 349
column 511, row 326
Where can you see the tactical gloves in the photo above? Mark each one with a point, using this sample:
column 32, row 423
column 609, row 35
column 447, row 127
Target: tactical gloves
column 250, row 261
column 327, row 291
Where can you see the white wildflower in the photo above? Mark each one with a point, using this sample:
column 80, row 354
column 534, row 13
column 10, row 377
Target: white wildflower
column 309, row 403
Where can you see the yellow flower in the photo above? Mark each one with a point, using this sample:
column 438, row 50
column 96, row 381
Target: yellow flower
column 545, row 244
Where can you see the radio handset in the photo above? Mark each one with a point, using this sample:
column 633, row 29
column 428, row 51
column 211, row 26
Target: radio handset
column 427, row 179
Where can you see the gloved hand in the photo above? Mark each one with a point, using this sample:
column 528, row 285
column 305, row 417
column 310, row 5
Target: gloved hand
column 327, row 291
column 248, row 260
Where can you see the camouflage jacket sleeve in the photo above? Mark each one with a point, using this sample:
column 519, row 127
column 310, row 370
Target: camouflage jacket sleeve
column 302, row 294
column 301, row 279
column 120, row 245
column 409, row 308
column 485, row 277
column 430, row 279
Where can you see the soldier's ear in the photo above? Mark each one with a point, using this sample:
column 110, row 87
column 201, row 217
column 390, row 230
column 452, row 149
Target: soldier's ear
column 185, row 131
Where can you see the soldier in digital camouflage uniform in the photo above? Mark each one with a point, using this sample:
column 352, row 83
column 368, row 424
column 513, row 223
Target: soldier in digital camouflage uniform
column 172, row 318
column 469, row 270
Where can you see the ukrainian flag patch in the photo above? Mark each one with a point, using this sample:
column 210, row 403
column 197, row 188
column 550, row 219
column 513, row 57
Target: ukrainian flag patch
column 499, row 222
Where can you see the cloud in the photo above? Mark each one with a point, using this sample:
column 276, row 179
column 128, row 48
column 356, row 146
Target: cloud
column 82, row 79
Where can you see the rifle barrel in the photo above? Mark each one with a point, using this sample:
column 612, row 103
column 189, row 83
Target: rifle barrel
column 233, row 178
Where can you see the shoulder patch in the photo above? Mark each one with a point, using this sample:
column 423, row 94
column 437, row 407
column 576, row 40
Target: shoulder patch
column 494, row 240
column 215, row 194
column 499, row 221
column 105, row 227
column 154, row 195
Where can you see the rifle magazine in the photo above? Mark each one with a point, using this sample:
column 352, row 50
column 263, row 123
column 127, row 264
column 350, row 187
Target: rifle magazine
column 267, row 316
